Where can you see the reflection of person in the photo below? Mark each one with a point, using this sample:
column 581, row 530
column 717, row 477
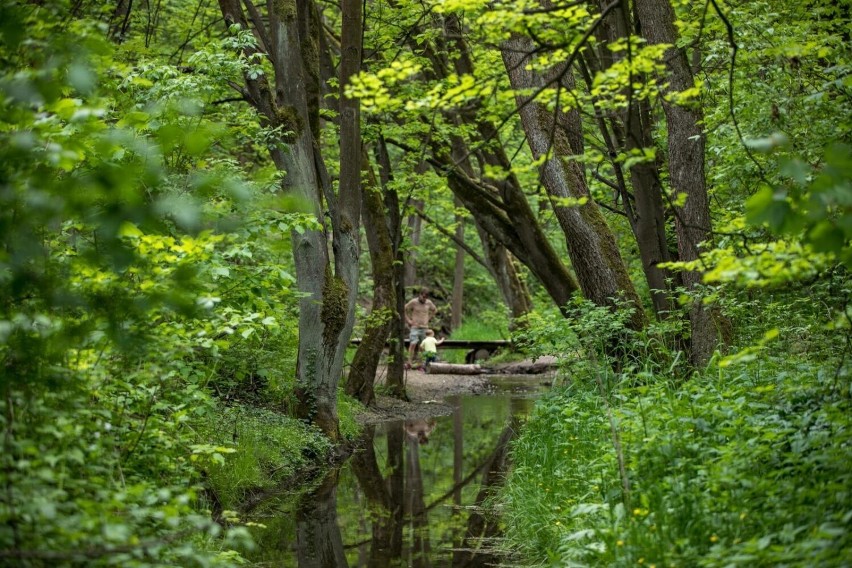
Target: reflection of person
column 420, row 429
column 429, row 345
column 418, row 314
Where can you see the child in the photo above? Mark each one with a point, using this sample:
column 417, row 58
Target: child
column 429, row 345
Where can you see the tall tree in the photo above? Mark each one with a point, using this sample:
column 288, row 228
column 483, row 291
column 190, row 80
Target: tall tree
column 362, row 372
column 686, row 141
column 595, row 257
column 328, row 281
column 627, row 130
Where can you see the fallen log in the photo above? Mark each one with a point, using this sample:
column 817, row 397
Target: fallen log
column 453, row 369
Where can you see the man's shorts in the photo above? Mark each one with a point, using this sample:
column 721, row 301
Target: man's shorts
column 416, row 335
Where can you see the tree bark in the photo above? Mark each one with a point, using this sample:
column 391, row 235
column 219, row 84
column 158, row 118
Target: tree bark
column 327, row 285
column 505, row 273
column 594, row 254
column 458, row 274
column 519, row 232
column 362, row 372
column 396, row 352
column 686, row 142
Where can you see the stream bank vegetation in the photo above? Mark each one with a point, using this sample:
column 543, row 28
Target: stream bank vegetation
column 201, row 203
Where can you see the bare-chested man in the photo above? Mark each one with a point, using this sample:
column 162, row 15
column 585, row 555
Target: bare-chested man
column 418, row 313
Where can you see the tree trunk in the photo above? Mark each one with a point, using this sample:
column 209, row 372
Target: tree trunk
column 454, row 369
column 415, row 226
column 458, row 274
column 519, row 232
column 327, row 305
column 396, row 352
column 505, row 273
column 686, row 143
column 632, row 130
column 119, row 22
column 594, row 254
column 362, row 372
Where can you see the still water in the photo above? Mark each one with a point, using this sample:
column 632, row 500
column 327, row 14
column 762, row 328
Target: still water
column 410, row 497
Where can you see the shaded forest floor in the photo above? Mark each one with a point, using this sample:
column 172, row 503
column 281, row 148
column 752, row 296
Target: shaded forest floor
column 427, row 392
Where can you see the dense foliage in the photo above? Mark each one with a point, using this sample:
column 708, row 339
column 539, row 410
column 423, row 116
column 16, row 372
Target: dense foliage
column 145, row 286
column 149, row 300
column 744, row 463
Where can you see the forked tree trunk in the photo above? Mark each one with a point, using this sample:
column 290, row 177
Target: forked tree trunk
column 328, row 285
column 631, row 130
column 594, row 254
column 686, row 164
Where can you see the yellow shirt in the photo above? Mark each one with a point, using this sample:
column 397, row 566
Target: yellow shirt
column 430, row 345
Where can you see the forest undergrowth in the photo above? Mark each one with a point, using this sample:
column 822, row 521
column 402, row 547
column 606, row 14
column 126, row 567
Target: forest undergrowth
column 743, row 464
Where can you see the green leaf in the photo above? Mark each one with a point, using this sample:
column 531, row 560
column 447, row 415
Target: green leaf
column 825, row 236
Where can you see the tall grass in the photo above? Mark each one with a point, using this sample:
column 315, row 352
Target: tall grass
column 747, row 464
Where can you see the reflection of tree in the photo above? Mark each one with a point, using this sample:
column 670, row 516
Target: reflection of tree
column 458, row 470
column 415, row 506
column 386, row 517
column 399, row 498
column 481, row 526
column 319, row 543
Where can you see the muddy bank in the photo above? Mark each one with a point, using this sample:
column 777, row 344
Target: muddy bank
column 426, row 391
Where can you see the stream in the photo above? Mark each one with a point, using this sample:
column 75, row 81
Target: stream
column 410, row 497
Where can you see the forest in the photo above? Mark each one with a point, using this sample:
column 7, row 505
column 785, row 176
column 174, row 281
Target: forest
column 203, row 203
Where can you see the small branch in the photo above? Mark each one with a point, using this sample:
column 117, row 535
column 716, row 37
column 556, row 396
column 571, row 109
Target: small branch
column 611, row 209
column 262, row 32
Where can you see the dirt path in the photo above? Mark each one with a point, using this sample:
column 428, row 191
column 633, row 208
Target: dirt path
column 426, row 393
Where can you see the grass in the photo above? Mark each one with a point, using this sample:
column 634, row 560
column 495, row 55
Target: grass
column 258, row 449
column 746, row 467
column 488, row 328
column 745, row 464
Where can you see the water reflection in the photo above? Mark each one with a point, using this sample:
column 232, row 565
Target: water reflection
column 411, row 496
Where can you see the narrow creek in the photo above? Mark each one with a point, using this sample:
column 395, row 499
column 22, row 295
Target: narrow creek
column 410, row 497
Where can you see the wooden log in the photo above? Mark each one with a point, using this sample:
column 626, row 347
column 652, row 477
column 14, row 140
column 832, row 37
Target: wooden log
column 454, row 369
